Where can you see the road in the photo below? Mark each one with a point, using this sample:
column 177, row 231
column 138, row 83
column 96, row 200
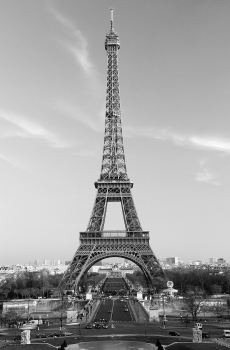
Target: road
column 116, row 310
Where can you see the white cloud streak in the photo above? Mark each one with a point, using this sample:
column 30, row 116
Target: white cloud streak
column 211, row 143
column 29, row 129
column 14, row 163
column 79, row 48
column 76, row 112
column 204, row 175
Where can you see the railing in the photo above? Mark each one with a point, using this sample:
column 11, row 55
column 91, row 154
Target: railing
column 115, row 234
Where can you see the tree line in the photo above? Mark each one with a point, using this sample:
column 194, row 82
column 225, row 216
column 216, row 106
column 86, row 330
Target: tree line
column 29, row 284
column 203, row 280
column 40, row 284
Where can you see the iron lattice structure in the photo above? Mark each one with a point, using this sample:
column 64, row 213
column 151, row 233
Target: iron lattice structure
column 113, row 185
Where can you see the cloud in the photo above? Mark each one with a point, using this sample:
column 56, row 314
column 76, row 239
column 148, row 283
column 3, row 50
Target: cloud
column 78, row 48
column 77, row 113
column 204, row 175
column 29, row 129
column 211, row 143
column 14, row 163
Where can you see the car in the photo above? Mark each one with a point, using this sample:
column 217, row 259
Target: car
column 40, row 335
column 56, row 335
column 17, row 337
column 226, row 333
column 97, row 326
column 89, row 326
column 105, row 326
column 174, row 334
column 187, row 321
column 205, row 335
column 109, row 311
column 126, row 310
column 67, row 334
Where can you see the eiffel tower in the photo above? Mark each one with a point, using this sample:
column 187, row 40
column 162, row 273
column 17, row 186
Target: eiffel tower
column 113, row 186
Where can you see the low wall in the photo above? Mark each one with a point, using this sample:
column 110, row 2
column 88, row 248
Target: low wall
column 37, row 307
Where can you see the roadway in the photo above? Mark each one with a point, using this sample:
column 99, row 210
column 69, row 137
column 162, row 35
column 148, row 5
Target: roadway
column 114, row 310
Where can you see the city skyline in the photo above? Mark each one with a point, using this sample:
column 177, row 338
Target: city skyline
column 174, row 79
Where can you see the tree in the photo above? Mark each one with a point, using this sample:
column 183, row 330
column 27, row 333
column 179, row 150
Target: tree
column 193, row 303
column 216, row 289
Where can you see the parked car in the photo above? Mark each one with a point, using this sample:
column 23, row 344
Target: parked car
column 41, row 335
column 205, row 335
column 97, row 326
column 226, row 333
column 126, row 310
column 89, row 326
column 17, row 337
column 56, row 335
column 105, row 326
column 187, row 321
column 66, row 334
column 175, row 334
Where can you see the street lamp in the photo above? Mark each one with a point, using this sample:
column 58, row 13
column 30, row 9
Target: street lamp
column 62, row 297
column 28, row 309
column 138, row 308
column 164, row 315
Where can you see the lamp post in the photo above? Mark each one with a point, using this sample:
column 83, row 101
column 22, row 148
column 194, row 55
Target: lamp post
column 164, row 315
column 28, row 309
column 186, row 321
column 138, row 309
column 62, row 296
column 145, row 326
column 80, row 325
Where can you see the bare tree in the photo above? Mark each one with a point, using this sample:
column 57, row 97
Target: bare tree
column 193, row 303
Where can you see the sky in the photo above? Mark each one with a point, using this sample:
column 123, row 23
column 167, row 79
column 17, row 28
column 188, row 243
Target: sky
column 174, row 75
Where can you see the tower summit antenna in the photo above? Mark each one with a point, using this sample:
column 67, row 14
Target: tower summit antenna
column 111, row 14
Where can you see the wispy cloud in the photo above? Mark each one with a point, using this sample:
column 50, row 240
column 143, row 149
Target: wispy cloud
column 77, row 113
column 86, row 153
column 14, row 163
column 27, row 129
column 211, row 143
column 204, row 175
column 79, row 47
column 88, row 84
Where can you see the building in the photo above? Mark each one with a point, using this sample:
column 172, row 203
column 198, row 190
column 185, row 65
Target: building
column 213, row 260
column 46, row 262
column 125, row 270
column 173, row 261
column 36, row 263
column 105, row 270
column 221, row 261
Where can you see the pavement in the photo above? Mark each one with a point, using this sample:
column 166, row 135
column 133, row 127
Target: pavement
column 112, row 344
